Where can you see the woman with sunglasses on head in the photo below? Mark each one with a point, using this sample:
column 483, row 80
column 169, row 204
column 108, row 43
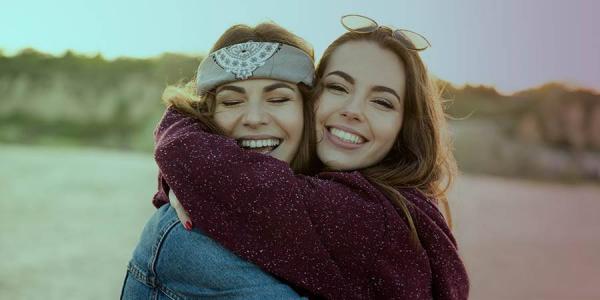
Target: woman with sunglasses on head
column 373, row 209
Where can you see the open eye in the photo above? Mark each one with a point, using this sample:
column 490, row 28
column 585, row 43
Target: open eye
column 383, row 102
column 336, row 88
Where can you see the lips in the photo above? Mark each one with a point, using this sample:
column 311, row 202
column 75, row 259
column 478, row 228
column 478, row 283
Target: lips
column 345, row 137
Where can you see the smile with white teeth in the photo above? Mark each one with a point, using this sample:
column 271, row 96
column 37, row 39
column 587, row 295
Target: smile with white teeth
column 259, row 143
column 346, row 136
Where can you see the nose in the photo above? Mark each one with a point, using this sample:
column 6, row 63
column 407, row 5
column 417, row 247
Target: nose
column 353, row 109
column 255, row 115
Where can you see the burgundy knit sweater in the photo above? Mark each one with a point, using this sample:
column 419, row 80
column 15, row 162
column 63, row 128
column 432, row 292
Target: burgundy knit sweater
column 334, row 236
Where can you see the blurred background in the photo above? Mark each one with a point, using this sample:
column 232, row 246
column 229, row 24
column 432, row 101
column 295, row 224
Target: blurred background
column 80, row 86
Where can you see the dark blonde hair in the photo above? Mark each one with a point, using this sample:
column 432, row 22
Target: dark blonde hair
column 185, row 98
column 421, row 156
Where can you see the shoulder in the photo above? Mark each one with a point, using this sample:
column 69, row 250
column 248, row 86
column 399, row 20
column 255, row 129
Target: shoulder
column 426, row 212
column 422, row 201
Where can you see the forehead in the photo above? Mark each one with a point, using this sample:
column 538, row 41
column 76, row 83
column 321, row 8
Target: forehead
column 368, row 64
column 256, row 83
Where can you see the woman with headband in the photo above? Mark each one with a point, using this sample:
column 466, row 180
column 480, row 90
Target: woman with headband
column 253, row 88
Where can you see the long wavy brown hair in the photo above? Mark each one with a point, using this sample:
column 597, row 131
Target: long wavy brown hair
column 421, row 157
column 186, row 99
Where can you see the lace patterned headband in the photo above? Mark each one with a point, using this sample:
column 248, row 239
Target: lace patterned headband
column 255, row 60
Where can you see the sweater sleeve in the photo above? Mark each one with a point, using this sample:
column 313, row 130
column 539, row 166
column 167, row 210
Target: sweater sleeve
column 447, row 273
column 294, row 227
column 450, row 280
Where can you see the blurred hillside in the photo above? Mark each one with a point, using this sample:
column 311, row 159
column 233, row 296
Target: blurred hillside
column 82, row 100
column 552, row 131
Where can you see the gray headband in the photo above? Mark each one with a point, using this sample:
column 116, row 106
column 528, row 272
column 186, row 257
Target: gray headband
column 254, row 60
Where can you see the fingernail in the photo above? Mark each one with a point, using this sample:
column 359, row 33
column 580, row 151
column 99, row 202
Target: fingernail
column 188, row 225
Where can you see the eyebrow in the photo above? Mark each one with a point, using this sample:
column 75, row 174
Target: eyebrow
column 275, row 86
column 233, row 88
column 377, row 88
column 380, row 88
column 344, row 75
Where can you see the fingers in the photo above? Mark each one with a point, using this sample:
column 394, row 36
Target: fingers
column 181, row 213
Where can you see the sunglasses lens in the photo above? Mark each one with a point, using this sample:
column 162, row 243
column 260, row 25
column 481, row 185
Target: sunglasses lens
column 412, row 40
column 359, row 23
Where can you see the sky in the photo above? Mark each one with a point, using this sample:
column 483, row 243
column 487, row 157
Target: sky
column 510, row 44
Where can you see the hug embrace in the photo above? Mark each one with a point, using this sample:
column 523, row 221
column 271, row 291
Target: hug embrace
column 281, row 181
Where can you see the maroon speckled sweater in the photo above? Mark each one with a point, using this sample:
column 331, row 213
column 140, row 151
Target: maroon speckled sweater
column 334, row 236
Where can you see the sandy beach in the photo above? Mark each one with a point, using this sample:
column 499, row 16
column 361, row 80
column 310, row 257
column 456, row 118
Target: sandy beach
column 528, row 240
column 69, row 219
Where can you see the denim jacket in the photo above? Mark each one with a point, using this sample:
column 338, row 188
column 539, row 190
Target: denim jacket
column 170, row 262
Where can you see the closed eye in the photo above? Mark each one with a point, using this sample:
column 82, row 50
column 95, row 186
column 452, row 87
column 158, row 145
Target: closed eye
column 384, row 102
column 336, row 88
column 231, row 102
column 279, row 100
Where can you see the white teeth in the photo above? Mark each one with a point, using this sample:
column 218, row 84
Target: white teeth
column 259, row 143
column 346, row 136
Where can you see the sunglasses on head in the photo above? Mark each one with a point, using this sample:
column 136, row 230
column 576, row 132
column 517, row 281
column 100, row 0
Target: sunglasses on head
column 409, row 39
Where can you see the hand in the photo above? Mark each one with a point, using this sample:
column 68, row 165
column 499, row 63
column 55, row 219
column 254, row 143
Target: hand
column 181, row 213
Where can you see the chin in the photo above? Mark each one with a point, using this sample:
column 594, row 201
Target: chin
column 277, row 156
column 339, row 165
column 284, row 157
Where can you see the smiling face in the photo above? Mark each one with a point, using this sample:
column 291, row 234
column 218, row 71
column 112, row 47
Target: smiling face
column 359, row 112
column 263, row 115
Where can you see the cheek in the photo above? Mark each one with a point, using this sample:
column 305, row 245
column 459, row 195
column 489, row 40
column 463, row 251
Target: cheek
column 323, row 109
column 291, row 120
column 226, row 120
column 386, row 128
column 296, row 126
